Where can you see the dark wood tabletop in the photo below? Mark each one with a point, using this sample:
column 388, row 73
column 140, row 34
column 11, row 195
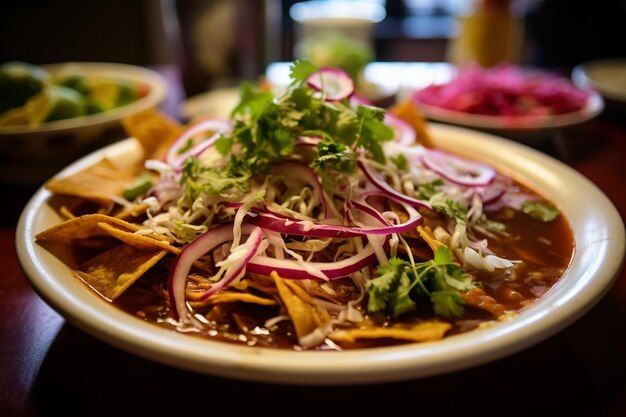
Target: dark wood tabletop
column 49, row 367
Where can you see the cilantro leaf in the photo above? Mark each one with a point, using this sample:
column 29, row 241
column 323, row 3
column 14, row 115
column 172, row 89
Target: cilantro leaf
column 447, row 304
column 399, row 286
column 401, row 301
column 454, row 209
column 300, row 71
column 224, row 144
column 427, row 190
column 374, row 131
column 400, row 161
column 336, row 156
column 252, row 100
column 543, row 211
column 492, row 224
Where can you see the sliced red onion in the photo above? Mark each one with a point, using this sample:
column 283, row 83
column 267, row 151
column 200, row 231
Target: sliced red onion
column 308, row 140
column 491, row 194
column 291, row 269
column 310, row 229
column 375, row 178
column 334, row 83
column 185, row 259
column 358, row 100
column 238, row 268
column 403, row 133
column 174, row 155
column 458, row 170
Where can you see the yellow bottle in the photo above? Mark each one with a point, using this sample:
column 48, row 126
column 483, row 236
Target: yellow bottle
column 488, row 33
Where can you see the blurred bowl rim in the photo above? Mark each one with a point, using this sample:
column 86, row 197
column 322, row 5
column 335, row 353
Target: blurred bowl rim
column 366, row 11
column 585, row 75
column 156, row 94
column 593, row 107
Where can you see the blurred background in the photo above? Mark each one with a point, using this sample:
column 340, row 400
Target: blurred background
column 216, row 42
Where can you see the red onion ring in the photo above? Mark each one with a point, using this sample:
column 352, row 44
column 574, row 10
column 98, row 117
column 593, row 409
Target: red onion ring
column 458, row 170
column 334, row 83
column 403, row 133
column 381, row 184
column 219, row 126
column 236, row 270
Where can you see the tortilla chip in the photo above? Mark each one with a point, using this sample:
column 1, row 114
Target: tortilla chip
column 233, row 297
column 420, row 332
column 407, row 111
column 307, row 317
column 135, row 210
column 113, row 271
column 83, row 227
column 137, row 241
column 66, row 213
column 427, row 234
column 97, row 183
column 154, row 131
column 478, row 298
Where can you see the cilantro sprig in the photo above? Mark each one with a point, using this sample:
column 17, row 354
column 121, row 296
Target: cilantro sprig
column 400, row 286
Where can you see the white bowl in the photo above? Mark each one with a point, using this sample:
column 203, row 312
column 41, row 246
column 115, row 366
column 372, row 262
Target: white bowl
column 592, row 108
column 31, row 154
column 608, row 76
column 598, row 256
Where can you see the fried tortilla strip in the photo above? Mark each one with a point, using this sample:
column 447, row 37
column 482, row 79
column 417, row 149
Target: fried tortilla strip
column 311, row 321
column 83, row 227
column 135, row 210
column 113, row 271
column 141, row 242
column 420, row 332
column 413, row 116
column 96, row 183
column 478, row 298
column 66, row 213
column 428, row 236
column 154, row 131
column 234, row 297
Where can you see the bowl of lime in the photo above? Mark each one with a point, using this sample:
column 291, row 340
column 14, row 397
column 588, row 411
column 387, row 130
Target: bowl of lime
column 52, row 114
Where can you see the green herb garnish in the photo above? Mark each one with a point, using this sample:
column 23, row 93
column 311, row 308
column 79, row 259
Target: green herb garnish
column 543, row 211
column 399, row 286
column 139, row 187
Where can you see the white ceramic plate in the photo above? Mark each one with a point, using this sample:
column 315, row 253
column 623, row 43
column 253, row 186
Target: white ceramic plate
column 598, row 231
column 594, row 106
column 608, row 76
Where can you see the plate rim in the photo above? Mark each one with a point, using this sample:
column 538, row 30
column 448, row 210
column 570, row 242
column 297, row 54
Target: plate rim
column 544, row 318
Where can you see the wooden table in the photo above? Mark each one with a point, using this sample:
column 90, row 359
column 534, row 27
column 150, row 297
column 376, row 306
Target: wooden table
column 49, row 367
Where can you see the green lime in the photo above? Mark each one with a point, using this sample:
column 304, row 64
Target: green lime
column 76, row 82
column 32, row 113
column 19, row 82
column 108, row 94
column 127, row 93
column 65, row 103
